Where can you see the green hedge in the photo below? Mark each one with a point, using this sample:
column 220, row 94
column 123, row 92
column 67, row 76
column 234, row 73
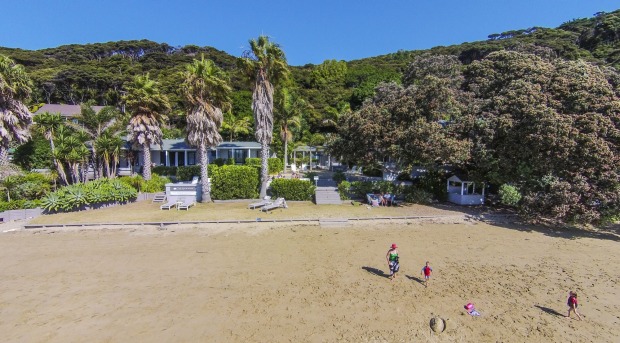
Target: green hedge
column 165, row 170
column 186, row 173
column 361, row 188
column 78, row 196
column 234, row 182
column 155, row 184
column 292, row 189
column 19, row 204
column 343, row 189
column 274, row 165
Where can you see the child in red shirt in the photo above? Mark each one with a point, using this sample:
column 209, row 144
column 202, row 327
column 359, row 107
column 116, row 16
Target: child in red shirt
column 572, row 304
column 426, row 271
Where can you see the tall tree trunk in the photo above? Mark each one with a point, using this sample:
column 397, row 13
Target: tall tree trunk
column 146, row 168
column 4, row 156
column 107, row 167
column 58, row 166
column 204, row 173
column 285, row 149
column 264, row 148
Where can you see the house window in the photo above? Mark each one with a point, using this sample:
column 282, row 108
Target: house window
column 172, row 156
column 162, row 158
column 191, row 158
column 181, row 157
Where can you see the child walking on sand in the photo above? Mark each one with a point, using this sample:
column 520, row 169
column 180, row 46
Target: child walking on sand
column 572, row 304
column 426, row 271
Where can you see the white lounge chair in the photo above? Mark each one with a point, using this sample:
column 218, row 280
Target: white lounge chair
column 168, row 206
column 264, row 202
column 186, row 203
column 294, row 168
column 280, row 202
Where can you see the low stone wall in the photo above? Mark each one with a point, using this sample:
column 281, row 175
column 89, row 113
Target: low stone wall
column 20, row 214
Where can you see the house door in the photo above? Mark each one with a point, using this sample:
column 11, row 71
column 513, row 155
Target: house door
column 239, row 156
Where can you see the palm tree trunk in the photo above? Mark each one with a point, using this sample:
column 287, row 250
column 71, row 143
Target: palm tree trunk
column 146, row 169
column 204, row 173
column 264, row 148
column 285, row 149
column 59, row 167
column 4, row 156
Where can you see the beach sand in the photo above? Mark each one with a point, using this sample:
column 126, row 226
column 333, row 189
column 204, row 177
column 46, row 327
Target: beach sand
column 268, row 282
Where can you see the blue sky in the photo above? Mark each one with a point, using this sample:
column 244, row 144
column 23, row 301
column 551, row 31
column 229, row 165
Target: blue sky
column 308, row 31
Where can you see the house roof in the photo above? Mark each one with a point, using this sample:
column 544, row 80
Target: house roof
column 65, row 110
column 181, row 144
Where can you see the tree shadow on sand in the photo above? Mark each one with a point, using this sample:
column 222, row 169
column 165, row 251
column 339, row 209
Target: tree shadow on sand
column 510, row 220
column 375, row 271
column 549, row 311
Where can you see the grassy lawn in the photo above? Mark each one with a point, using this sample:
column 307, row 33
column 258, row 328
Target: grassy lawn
column 146, row 211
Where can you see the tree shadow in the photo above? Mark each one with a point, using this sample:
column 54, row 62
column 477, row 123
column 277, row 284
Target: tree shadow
column 509, row 219
column 549, row 311
column 414, row 278
column 376, row 271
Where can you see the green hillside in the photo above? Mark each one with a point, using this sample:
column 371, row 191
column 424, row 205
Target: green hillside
column 75, row 74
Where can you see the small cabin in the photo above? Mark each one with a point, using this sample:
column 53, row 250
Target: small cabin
column 464, row 192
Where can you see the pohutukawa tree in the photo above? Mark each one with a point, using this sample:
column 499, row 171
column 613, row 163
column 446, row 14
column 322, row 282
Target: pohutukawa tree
column 265, row 65
column 148, row 108
column 206, row 91
column 15, row 118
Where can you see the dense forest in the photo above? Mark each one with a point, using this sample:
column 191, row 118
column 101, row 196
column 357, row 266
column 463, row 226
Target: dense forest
column 533, row 112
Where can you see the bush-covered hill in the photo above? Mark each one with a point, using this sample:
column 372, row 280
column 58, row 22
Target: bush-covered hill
column 75, row 74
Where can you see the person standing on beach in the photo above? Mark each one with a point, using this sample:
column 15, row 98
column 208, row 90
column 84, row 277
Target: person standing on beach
column 426, row 271
column 572, row 304
column 392, row 261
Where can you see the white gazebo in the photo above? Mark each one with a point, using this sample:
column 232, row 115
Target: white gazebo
column 463, row 192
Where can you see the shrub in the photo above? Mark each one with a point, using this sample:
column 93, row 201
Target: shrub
column 186, row 173
column 165, row 170
column 274, row 165
column 434, row 182
column 361, row 188
column 509, row 195
column 74, row 197
column 416, row 195
column 155, row 184
column 219, row 162
column 311, row 175
column 339, row 176
column 18, row 204
column 292, row 189
column 234, row 182
column 343, row 190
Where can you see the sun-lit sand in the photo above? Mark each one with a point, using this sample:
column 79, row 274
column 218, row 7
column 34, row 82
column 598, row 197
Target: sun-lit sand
column 268, row 282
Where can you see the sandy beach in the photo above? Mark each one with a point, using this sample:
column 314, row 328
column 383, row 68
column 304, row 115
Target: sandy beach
column 269, row 282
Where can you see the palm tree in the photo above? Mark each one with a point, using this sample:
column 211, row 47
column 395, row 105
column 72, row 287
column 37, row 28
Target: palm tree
column 289, row 109
column 234, row 125
column 207, row 92
column 15, row 118
column 94, row 125
column 109, row 146
column 148, row 108
column 264, row 63
column 48, row 124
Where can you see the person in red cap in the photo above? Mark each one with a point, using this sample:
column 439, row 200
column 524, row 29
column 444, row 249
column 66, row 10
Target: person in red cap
column 392, row 260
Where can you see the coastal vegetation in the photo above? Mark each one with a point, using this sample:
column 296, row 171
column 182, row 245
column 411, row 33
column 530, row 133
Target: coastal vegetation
column 534, row 113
